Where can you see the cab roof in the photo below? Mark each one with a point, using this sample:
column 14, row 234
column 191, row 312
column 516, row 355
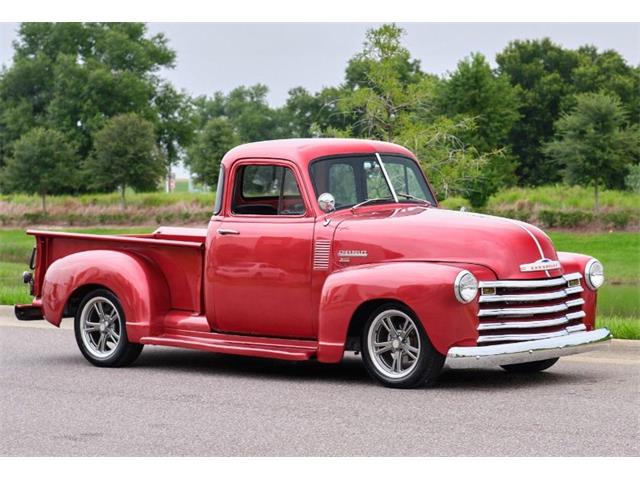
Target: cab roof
column 304, row 150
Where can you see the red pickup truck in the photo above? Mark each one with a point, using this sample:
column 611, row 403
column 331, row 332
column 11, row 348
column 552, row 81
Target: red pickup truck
column 320, row 246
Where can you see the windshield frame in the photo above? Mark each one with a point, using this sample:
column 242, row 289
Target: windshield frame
column 375, row 156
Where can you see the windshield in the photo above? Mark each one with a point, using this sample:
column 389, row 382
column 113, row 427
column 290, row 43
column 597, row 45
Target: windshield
column 355, row 179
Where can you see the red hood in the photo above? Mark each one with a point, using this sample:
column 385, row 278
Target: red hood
column 433, row 234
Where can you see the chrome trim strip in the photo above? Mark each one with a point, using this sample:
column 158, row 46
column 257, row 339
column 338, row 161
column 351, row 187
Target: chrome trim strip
column 532, row 323
column 560, row 307
column 531, row 351
column 521, row 337
column 386, row 177
column 531, row 297
column 321, row 254
column 552, row 282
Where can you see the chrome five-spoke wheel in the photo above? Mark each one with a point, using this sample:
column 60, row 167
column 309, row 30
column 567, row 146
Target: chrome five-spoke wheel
column 100, row 328
column 394, row 343
column 396, row 349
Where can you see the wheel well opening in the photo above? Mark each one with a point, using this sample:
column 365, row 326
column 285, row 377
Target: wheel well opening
column 73, row 302
column 360, row 317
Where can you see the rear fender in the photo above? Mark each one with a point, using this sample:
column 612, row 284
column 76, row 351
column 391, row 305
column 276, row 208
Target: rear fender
column 426, row 288
column 137, row 282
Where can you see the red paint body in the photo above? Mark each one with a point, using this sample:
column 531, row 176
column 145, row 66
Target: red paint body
column 258, row 293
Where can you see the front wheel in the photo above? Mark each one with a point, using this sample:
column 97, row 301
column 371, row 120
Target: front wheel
column 530, row 367
column 100, row 331
column 396, row 350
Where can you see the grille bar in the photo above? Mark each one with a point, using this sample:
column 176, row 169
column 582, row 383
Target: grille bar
column 531, row 297
column 552, row 282
column 533, row 323
column 530, row 336
column 498, row 312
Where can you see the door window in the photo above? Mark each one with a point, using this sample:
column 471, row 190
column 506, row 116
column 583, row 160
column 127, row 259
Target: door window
column 266, row 190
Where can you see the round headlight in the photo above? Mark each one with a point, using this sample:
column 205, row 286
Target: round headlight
column 465, row 286
column 594, row 274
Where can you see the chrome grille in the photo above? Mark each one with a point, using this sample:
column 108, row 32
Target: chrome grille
column 522, row 310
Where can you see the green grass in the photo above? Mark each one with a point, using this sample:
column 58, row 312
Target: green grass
column 619, row 252
column 621, row 327
column 564, row 197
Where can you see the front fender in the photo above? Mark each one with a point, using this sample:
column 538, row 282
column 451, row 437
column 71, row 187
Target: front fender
column 426, row 288
column 137, row 282
column 576, row 262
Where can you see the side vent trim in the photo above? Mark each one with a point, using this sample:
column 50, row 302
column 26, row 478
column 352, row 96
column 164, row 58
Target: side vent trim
column 321, row 254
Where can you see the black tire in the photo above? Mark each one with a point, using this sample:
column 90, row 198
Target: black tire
column 530, row 367
column 122, row 352
column 428, row 364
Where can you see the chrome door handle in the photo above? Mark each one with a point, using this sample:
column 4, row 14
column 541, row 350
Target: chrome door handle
column 228, row 231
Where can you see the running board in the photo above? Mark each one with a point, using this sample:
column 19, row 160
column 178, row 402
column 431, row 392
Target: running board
column 262, row 347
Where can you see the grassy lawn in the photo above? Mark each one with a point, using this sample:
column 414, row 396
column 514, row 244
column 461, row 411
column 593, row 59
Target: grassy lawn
column 618, row 302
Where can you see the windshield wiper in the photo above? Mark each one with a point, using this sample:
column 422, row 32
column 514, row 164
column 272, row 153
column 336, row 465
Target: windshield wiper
column 413, row 197
column 371, row 200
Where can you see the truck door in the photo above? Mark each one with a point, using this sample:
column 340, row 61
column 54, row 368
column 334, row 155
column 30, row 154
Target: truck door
column 261, row 258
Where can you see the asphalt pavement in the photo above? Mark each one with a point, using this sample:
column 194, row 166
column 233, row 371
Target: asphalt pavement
column 182, row 402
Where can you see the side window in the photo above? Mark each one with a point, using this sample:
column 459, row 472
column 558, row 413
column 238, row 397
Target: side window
column 219, row 192
column 266, row 190
column 342, row 183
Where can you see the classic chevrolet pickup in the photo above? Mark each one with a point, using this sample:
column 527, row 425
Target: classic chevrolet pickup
column 316, row 247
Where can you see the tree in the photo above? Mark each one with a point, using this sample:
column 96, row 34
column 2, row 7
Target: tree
column 394, row 101
column 74, row 76
column 475, row 90
column 42, row 164
column 205, row 154
column 125, row 155
column 175, row 122
column 549, row 77
column 593, row 146
column 543, row 71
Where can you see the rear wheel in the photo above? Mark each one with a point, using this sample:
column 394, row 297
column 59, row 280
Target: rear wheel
column 396, row 350
column 530, row 367
column 100, row 331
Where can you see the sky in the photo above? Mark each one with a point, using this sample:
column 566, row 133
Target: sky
column 222, row 56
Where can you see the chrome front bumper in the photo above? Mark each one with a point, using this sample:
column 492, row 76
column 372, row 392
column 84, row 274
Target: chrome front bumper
column 531, row 351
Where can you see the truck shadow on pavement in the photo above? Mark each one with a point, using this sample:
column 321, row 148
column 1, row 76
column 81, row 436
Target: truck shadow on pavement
column 350, row 370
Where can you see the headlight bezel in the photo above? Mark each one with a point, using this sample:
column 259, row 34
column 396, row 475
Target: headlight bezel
column 588, row 269
column 460, row 284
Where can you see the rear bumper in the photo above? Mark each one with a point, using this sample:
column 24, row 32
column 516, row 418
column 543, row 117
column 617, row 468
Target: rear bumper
column 28, row 312
column 523, row 352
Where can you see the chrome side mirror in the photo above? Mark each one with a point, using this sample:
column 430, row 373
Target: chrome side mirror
column 327, row 202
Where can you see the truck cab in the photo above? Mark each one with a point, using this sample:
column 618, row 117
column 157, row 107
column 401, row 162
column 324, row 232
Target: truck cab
column 316, row 247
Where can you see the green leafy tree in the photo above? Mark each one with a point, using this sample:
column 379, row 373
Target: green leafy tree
column 593, row 147
column 475, row 90
column 543, row 71
column 549, row 78
column 206, row 152
column 382, row 46
column 42, row 164
column 125, row 155
column 175, row 122
column 632, row 181
column 395, row 102
column 75, row 76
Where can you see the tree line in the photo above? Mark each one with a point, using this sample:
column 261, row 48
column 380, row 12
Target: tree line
column 84, row 109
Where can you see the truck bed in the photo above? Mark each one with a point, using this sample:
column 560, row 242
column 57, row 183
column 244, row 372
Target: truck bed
column 178, row 253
